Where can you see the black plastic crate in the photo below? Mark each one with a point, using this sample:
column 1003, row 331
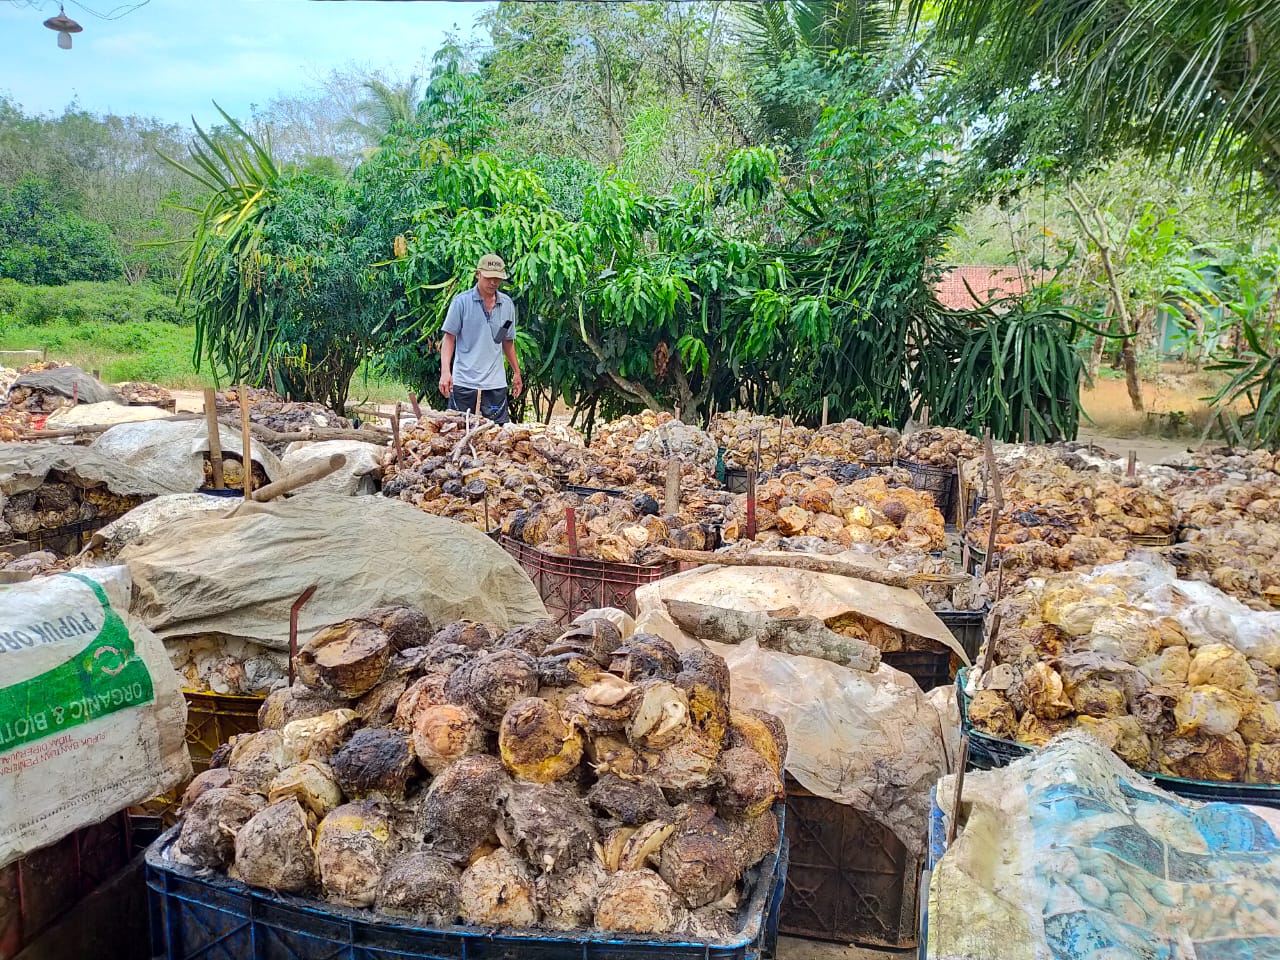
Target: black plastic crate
column 939, row 482
column 197, row 914
column 928, row 668
column 735, row 481
column 967, row 627
column 850, row 879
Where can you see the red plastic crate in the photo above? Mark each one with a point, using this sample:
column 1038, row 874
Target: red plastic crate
column 570, row 586
column 45, row 885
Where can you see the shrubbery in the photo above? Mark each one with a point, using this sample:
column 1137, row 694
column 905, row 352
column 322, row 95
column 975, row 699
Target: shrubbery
column 85, row 302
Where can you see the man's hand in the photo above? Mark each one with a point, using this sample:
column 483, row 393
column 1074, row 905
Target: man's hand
column 517, row 385
column 446, row 384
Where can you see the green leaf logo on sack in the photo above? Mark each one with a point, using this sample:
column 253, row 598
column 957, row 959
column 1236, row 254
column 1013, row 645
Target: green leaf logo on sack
column 101, row 678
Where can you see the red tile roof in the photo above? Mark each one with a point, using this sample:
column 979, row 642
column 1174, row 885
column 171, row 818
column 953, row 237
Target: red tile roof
column 988, row 283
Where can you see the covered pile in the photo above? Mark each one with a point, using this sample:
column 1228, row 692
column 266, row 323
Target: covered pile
column 470, row 469
column 530, row 779
column 612, row 528
column 1174, row 676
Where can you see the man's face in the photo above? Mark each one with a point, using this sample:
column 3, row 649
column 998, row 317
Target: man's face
column 488, row 285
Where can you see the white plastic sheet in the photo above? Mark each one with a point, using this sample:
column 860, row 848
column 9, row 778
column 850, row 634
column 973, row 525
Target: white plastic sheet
column 869, row 740
column 173, row 452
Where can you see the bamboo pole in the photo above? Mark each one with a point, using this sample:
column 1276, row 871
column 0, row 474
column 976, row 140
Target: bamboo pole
column 246, row 463
column 215, row 438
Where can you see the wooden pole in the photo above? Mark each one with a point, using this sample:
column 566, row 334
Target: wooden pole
column 215, row 438
column 395, row 432
column 673, row 486
column 751, row 503
column 996, row 501
column 825, row 410
column 571, row 528
column 317, row 471
column 1133, row 463
column 246, row 462
column 413, row 402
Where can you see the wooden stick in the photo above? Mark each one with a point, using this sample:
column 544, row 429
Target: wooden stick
column 366, row 434
column 215, row 437
column 317, row 471
column 997, row 501
column 814, row 564
column 824, row 410
column 247, row 462
column 1133, row 463
column 751, row 503
column 571, row 528
column 413, row 402
column 959, row 794
column 395, row 433
column 673, row 486
column 293, row 626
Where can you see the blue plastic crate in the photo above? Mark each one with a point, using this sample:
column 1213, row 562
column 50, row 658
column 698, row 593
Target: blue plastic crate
column 198, row 914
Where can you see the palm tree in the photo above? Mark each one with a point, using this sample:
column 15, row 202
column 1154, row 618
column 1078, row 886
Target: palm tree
column 1200, row 78
column 386, row 105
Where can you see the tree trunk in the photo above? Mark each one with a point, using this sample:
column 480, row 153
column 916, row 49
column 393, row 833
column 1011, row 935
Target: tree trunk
column 1128, row 348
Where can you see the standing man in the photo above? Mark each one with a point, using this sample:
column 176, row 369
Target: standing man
column 479, row 330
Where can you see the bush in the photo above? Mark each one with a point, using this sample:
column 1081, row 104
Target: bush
column 111, row 302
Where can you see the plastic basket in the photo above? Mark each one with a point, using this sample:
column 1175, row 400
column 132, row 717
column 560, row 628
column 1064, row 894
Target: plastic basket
column 940, row 482
column 198, row 914
column 68, row 540
column 966, row 626
column 584, row 491
column 850, row 879
column 988, row 753
column 570, row 586
column 212, row 720
column 1153, row 539
column 928, row 668
column 42, row 887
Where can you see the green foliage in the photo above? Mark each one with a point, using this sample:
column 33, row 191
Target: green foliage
column 279, row 276
column 43, row 242
column 86, row 302
column 152, row 350
column 1199, row 79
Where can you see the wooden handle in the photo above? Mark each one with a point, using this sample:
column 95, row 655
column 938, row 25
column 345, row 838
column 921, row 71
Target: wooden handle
column 571, row 528
column 316, row 471
column 673, row 486
column 215, row 438
column 751, row 503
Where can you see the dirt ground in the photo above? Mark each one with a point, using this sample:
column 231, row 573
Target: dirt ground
column 793, row 948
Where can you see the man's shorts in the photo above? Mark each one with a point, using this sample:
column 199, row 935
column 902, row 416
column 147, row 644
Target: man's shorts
column 493, row 403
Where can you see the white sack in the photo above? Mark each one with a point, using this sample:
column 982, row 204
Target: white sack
column 92, row 718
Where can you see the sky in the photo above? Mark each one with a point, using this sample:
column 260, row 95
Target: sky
column 171, row 59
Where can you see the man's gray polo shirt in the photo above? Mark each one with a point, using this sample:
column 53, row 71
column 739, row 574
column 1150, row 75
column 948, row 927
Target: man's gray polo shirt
column 477, row 358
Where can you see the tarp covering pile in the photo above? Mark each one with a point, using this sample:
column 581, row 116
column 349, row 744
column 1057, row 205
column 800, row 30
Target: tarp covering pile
column 174, row 451
column 66, row 382
column 358, row 475
column 1070, row 855
column 869, row 740
column 24, row 466
column 91, row 714
column 238, row 577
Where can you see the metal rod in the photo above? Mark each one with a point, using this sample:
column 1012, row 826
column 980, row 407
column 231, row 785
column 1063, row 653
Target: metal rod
column 959, row 794
column 293, row 626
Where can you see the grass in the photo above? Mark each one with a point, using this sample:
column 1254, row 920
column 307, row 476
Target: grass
column 150, row 350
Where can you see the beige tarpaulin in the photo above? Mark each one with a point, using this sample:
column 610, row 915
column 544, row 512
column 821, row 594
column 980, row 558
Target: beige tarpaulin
column 869, row 740
column 238, row 576
column 359, row 475
column 24, row 466
column 106, row 413
column 173, row 451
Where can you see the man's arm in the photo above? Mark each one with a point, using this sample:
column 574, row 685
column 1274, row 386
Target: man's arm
column 446, row 363
column 509, row 351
